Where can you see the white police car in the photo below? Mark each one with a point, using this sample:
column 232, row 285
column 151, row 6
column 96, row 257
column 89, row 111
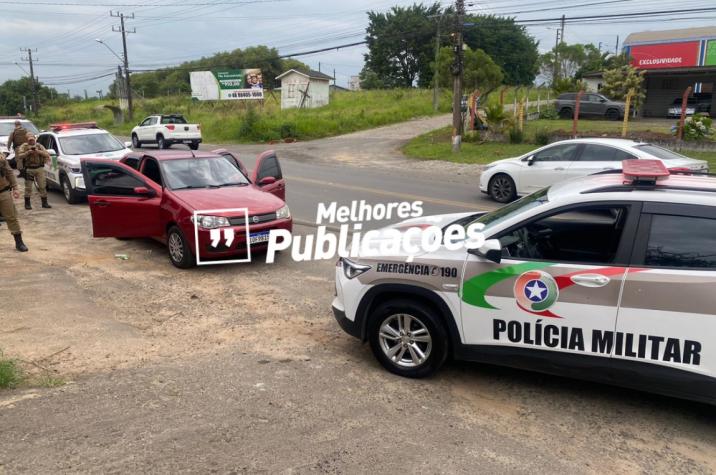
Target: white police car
column 609, row 277
column 68, row 144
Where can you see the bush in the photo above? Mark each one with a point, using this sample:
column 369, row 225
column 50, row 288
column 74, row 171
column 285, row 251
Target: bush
column 698, row 127
column 549, row 113
column 542, row 137
column 247, row 130
column 288, row 130
column 516, row 136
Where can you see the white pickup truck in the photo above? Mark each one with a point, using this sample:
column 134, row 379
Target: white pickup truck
column 165, row 131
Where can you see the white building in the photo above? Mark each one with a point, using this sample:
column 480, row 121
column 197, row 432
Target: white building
column 304, row 90
column 593, row 81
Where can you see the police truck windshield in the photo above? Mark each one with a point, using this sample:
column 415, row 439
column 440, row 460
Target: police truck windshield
column 89, row 144
column 513, row 209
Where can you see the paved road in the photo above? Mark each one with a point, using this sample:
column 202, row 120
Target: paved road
column 236, row 369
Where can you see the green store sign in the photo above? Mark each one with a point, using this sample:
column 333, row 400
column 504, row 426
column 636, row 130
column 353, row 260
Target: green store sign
column 710, row 53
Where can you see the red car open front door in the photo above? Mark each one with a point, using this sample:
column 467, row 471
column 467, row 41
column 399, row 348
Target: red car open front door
column 268, row 176
column 123, row 203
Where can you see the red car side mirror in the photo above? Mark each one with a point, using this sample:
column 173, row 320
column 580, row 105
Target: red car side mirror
column 267, row 180
column 144, row 191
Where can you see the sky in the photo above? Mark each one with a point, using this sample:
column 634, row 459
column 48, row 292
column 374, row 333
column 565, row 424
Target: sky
column 63, row 32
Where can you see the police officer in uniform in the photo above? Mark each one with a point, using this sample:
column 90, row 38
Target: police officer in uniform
column 34, row 156
column 8, row 191
column 16, row 139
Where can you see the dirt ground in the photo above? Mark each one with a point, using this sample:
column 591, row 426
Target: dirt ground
column 242, row 368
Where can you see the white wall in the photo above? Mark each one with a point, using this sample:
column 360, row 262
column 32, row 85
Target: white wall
column 293, row 83
column 593, row 84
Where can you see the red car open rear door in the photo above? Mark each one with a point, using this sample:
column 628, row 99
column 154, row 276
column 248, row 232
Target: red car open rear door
column 268, row 176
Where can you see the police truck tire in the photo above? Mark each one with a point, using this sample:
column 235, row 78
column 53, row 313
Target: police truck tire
column 70, row 194
column 179, row 250
column 409, row 340
column 162, row 143
column 135, row 141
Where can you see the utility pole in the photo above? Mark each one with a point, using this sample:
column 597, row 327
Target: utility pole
column 561, row 35
column 457, row 71
column 33, row 85
column 124, row 32
column 555, row 69
column 616, row 50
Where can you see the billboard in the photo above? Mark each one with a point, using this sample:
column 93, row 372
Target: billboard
column 225, row 85
column 663, row 56
column 710, row 59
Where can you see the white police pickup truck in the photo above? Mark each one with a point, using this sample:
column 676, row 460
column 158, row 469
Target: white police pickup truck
column 165, row 131
column 68, row 144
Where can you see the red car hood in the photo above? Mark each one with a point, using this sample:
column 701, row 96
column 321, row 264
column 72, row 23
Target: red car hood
column 257, row 201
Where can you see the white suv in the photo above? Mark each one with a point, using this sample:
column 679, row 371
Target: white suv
column 7, row 125
column 609, row 278
column 68, row 144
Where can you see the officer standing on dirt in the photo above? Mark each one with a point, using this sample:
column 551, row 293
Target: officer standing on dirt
column 34, row 156
column 17, row 138
column 8, row 192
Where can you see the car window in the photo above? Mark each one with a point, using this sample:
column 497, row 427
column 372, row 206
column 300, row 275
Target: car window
column 567, row 97
column 113, row 181
column 173, row 119
column 132, row 162
column 211, row 172
column 44, row 140
column 681, row 241
column 586, row 235
column 147, row 121
column 513, row 209
column 660, row 152
column 51, row 144
column 151, row 171
column 603, row 153
column 557, row 153
column 270, row 167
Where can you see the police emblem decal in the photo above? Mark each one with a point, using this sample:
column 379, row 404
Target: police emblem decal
column 535, row 292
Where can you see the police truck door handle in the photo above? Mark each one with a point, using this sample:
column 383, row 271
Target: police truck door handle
column 559, row 169
column 590, row 280
column 102, row 204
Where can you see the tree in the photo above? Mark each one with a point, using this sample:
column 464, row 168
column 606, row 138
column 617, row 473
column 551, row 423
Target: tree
column 619, row 81
column 401, row 45
column 569, row 60
column 370, row 80
column 509, row 44
column 481, row 72
column 13, row 91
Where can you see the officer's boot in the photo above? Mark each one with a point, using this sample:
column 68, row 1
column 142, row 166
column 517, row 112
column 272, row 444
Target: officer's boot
column 45, row 204
column 19, row 245
column 27, row 203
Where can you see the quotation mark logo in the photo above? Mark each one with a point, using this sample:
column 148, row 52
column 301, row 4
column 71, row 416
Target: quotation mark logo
column 215, row 236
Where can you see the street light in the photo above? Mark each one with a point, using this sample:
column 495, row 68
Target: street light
column 110, row 49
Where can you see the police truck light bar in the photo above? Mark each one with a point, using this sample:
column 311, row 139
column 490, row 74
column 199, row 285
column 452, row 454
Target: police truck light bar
column 644, row 171
column 79, row 125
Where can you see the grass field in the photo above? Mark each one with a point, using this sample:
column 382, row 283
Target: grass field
column 234, row 121
column 437, row 145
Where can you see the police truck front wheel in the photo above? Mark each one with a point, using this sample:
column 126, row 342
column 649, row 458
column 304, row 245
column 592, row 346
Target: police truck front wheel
column 179, row 251
column 71, row 195
column 409, row 340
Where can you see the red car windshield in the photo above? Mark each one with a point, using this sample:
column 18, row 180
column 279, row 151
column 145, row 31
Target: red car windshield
column 202, row 173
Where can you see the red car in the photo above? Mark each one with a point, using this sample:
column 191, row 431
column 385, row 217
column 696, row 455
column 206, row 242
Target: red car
column 157, row 196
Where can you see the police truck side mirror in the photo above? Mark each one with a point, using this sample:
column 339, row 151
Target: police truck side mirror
column 490, row 250
column 51, row 151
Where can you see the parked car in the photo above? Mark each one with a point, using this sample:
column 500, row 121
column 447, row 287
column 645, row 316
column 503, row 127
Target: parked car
column 156, row 195
column 590, row 105
column 699, row 103
column 607, row 278
column 505, row 180
column 68, row 144
column 165, row 131
column 7, row 124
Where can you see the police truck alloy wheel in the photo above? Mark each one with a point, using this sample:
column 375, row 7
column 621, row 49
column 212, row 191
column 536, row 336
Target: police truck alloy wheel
column 179, row 252
column 502, row 188
column 408, row 340
column 70, row 195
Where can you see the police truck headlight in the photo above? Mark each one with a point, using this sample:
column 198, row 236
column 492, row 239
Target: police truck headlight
column 283, row 213
column 352, row 269
column 212, row 222
column 80, row 183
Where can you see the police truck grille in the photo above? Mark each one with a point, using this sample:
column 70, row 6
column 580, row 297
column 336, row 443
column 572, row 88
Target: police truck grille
column 253, row 219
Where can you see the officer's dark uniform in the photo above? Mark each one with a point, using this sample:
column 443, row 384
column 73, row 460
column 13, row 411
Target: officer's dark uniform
column 7, row 205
